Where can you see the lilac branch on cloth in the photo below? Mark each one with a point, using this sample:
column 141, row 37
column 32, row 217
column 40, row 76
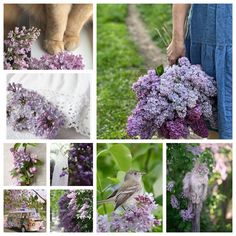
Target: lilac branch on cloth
column 28, row 110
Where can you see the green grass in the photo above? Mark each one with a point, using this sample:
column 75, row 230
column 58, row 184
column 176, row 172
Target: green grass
column 155, row 16
column 118, row 66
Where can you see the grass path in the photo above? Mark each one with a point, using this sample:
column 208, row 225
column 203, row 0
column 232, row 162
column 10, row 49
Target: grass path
column 119, row 64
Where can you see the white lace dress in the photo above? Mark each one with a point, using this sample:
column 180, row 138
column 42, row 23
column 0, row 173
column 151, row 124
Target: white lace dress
column 69, row 92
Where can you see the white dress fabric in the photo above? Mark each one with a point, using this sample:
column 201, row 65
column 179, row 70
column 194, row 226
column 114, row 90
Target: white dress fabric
column 58, row 154
column 69, row 92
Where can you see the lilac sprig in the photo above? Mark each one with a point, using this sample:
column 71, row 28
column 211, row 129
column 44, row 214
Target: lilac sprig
column 27, row 110
column 25, row 165
column 172, row 104
column 18, row 48
column 138, row 217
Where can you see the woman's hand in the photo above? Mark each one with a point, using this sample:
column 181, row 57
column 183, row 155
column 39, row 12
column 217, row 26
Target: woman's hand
column 175, row 50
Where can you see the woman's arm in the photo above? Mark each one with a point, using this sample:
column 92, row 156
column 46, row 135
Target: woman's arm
column 176, row 48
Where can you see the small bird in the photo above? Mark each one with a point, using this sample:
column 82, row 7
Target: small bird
column 130, row 188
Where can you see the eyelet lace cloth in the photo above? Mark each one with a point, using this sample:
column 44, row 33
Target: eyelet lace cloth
column 69, row 92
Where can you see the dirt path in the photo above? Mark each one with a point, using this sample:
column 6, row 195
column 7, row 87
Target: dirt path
column 153, row 55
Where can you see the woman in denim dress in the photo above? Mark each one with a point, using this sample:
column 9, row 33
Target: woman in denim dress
column 206, row 39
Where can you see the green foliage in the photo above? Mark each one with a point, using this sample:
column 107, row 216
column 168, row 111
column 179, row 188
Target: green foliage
column 219, row 200
column 55, row 195
column 119, row 65
column 114, row 160
column 158, row 19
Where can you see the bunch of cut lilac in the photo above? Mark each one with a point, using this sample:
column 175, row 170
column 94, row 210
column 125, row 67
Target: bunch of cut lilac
column 80, row 164
column 25, row 164
column 173, row 102
column 76, row 211
column 18, row 48
column 27, row 110
column 138, row 217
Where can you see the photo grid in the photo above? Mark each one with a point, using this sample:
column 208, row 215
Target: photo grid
column 116, row 117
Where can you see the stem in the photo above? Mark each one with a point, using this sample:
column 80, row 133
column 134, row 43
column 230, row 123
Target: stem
column 100, row 188
column 39, row 195
column 147, row 160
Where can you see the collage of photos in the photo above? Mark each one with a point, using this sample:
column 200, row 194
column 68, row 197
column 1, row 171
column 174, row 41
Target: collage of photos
column 133, row 134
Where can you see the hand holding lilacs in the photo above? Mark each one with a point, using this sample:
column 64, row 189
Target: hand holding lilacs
column 80, row 164
column 25, row 164
column 173, row 103
column 28, row 110
column 76, row 211
column 138, row 217
column 18, row 48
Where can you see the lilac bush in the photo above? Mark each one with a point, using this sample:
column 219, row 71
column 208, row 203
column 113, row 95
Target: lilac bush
column 17, row 49
column 172, row 103
column 80, row 164
column 137, row 217
column 27, row 110
column 76, row 211
column 25, row 164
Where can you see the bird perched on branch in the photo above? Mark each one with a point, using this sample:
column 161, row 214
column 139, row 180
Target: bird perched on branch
column 129, row 189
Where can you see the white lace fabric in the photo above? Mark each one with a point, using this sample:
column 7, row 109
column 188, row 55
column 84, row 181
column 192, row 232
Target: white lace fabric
column 70, row 93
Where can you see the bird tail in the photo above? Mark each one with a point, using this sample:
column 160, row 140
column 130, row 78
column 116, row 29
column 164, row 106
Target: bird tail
column 105, row 201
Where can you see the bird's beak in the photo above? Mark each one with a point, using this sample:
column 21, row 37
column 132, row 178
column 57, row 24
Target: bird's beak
column 143, row 173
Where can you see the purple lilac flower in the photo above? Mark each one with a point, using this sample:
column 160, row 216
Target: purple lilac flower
column 174, row 202
column 137, row 217
column 80, row 164
column 187, row 215
column 170, row 186
column 171, row 105
column 60, row 61
column 75, row 211
column 27, row 110
column 24, row 168
column 18, row 48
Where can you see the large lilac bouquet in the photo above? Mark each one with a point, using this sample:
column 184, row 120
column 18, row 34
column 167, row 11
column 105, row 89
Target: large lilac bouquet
column 80, row 164
column 25, row 164
column 27, row 110
column 138, row 217
column 76, row 211
column 173, row 102
column 18, row 48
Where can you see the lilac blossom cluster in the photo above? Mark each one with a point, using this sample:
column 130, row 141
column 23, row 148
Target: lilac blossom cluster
column 80, row 164
column 138, row 217
column 25, row 166
column 76, row 211
column 173, row 103
column 27, row 110
column 18, row 48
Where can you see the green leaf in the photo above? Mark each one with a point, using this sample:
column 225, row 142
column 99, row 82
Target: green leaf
column 38, row 163
column 17, row 145
column 32, row 144
column 160, row 70
column 113, row 180
column 122, row 156
column 102, row 153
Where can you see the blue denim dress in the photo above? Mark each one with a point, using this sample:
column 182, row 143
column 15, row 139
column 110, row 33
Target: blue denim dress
column 209, row 43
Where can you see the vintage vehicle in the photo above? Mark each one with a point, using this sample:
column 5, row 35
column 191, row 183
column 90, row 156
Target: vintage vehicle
column 25, row 219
